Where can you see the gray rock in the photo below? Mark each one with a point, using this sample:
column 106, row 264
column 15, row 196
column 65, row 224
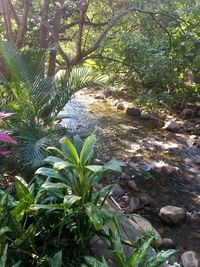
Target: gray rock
column 172, row 126
column 146, row 201
column 134, row 204
column 187, row 113
column 172, row 214
column 132, row 185
column 189, row 259
column 125, row 199
column 118, row 190
column 145, row 227
column 168, row 243
column 133, row 112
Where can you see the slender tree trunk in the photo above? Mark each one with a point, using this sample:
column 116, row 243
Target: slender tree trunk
column 54, row 35
column 23, row 24
column 6, row 14
column 43, row 43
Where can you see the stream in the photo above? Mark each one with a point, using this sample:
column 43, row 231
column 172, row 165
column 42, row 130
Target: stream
column 164, row 165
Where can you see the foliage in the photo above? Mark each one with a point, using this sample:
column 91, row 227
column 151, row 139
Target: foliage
column 4, row 137
column 52, row 220
column 36, row 99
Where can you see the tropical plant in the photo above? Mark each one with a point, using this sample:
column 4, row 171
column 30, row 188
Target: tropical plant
column 36, row 99
column 53, row 219
column 4, row 137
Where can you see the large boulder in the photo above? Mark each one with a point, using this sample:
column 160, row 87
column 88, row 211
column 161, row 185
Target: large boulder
column 172, row 214
column 172, row 126
column 189, row 259
column 135, row 112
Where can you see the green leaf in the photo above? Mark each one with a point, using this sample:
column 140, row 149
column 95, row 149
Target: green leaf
column 62, row 165
column 22, row 190
column 139, row 254
column 114, row 165
column 48, row 185
column 95, row 215
column 50, row 173
column 72, row 154
column 94, row 168
column 5, row 230
column 87, row 150
column 160, row 258
column 52, row 160
column 92, row 262
column 56, row 261
column 69, row 200
column 3, row 258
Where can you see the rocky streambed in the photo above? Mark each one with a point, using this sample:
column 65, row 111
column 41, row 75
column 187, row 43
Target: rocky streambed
column 163, row 167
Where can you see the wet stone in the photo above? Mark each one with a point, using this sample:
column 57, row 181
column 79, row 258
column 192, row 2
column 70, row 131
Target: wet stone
column 133, row 112
column 132, row 185
column 168, row 243
column 134, row 204
column 118, row 190
column 172, row 214
column 172, row 126
column 189, row 259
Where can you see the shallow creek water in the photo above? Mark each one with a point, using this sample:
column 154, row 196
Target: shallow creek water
column 170, row 159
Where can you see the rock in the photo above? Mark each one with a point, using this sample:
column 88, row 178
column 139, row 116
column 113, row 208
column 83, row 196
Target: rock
column 118, row 190
column 198, row 113
column 189, row 259
column 145, row 201
column 134, row 204
column 146, row 227
column 125, row 199
column 172, row 126
column 145, row 116
column 133, row 112
column 120, row 106
column 168, row 243
column 132, row 185
column 187, row 113
column 172, row 214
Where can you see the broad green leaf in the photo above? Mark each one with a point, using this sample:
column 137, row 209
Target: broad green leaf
column 95, row 215
column 94, row 168
column 52, row 160
column 114, row 165
column 35, row 207
column 139, row 254
column 50, row 173
column 69, row 200
column 5, row 230
column 160, row 258
column 3, row 258
column 73, row 155
column 56, row 261
column 48, row 185
column 62, row 165
column 87, row 150
column 22, row 190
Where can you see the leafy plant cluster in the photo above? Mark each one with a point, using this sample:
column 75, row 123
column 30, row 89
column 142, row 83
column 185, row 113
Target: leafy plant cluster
column 36, row 99
column 157, row 53
column 51, row 220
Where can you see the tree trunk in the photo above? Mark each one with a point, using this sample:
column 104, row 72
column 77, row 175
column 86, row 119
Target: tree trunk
column 43, row 43
column 54, row 36
column 23, row 25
